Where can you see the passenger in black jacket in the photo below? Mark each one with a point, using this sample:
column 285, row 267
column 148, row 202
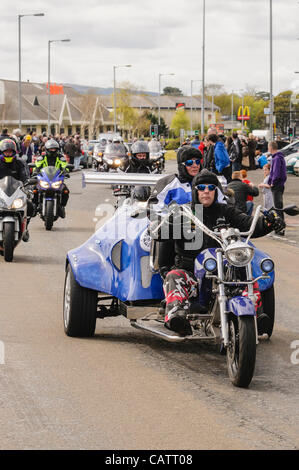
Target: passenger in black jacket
column 179, row 280
column 241, row 191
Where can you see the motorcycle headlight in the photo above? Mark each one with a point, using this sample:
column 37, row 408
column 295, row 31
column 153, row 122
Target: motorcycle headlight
column 3, row 203
column 44, row 184
column 109, row 161
column 18, row 203
column 239, row 254
column 267, row 265
column 210, row 265
column 56, row 185
column 117, row 162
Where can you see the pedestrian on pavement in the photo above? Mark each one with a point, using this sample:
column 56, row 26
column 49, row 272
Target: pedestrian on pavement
column 268, row 202
column 241, row 191
column 237, row 163
column 277, row 179
column 251, row 143
column 78, row 152
column 221, row 157
column 70, row 150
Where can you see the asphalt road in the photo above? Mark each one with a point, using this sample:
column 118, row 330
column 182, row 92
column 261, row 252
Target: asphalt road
column 124, row 389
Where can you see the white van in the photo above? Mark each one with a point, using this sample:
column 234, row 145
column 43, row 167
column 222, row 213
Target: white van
column 262, row 133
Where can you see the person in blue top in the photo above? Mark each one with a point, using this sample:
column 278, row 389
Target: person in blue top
column 222, row 161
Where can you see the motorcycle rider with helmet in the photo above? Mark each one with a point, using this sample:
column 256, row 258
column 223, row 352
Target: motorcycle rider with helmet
column 11, row 165
column 179, row 282
column 53, row 157
column 139, row 160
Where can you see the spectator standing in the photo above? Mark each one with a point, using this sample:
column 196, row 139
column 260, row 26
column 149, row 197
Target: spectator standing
column 70, row 150
column 242, row 191
column 236, row 165
column 249, row 200
column 268, row 202
column 277, row 178
column 221, row 157
column 78, row 152
column 251, row 143
column 27, row 149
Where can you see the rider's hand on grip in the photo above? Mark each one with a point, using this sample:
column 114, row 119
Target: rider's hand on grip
column 272, row 220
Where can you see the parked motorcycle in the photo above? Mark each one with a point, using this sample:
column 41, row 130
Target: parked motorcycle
column 50, row 186
column 13, row 215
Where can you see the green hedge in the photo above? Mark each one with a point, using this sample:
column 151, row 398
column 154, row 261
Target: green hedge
column 172, row 144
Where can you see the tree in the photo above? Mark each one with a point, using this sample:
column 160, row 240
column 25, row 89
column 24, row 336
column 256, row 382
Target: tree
column 180, row 121
column 169, row 90
column 153, row 119
column 282, row 110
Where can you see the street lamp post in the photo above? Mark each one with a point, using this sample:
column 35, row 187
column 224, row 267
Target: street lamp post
column 114, row 92
column 49, row 81
column 20, row 73
column 191, row 106
column 271, row 75
column 159, row 109
column 203, row 70
column 232, row 113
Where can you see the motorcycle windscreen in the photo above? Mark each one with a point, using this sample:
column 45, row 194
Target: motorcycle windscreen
column 51, row 172
column 9, row 185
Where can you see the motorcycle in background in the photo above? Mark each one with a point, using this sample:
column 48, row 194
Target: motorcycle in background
column 13, row 215
column 49, row 189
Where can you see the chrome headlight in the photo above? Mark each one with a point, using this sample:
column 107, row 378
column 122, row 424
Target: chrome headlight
column 56, row 185
column 239, row 254
column 109, row 161
column 18, row 203
column 210, row 265
column 267, row 265
column 44, row 184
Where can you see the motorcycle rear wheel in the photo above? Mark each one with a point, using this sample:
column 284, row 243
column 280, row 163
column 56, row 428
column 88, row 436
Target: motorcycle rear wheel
column 49, row 215
column 8, row 240
column 241, row 352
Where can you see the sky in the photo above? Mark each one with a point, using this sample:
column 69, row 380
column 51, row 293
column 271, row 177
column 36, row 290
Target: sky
column 155, row 37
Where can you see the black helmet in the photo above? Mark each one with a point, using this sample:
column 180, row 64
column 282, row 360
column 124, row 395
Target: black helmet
column 140, row 147
column 186, row 153
column 141, row 193
column 52, row 148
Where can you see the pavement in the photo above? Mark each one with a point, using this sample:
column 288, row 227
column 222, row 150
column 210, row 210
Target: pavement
column 124, row 389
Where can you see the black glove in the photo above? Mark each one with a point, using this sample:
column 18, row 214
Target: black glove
column 273, row 221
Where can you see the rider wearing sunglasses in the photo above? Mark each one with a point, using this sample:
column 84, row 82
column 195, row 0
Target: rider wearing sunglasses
column 177, row 187
column 179, row 280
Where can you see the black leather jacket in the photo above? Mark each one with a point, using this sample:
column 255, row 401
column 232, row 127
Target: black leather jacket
column 17, row 168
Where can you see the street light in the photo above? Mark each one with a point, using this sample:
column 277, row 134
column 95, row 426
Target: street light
column 114, row 91
column 19, row 85
column 161, row 75
column 203, row 68
column 191, row 113
column 49, row 90
column 271, row 75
